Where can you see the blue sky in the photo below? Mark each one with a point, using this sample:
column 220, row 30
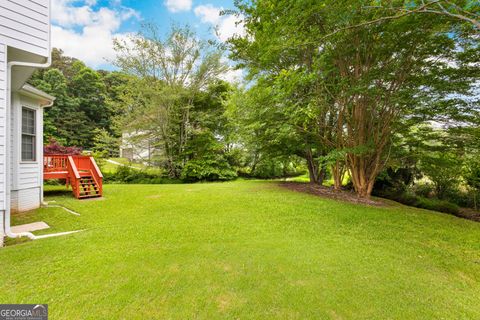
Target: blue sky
column 85, row 28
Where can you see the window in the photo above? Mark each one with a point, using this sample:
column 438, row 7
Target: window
column 28, row 135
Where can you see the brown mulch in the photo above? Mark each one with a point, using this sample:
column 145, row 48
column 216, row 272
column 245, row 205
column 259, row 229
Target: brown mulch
column 469, row 214
column 327, row 192
column 350, row 196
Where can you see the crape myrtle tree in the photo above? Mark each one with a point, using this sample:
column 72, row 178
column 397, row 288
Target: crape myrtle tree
column 169, row 74
column 370, row 73
column 270, row 52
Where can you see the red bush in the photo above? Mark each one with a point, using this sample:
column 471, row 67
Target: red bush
column 53, row 147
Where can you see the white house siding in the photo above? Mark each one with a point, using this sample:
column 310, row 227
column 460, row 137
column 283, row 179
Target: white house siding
column 3, row 102
column 24, row 24
column 25, row 200
column 26, row 176
column 3, row 98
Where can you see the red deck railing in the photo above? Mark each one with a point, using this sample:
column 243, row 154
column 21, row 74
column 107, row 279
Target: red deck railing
column 81, row 172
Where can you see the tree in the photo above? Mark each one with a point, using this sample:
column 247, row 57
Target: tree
column 472, row 177
column 461, row 10
column 64, row 121
column 106, row 144
column 266, row 132
column 171, row 72
column 87, row 86
column 86, row 100
column 368, row 79
column 444, row 170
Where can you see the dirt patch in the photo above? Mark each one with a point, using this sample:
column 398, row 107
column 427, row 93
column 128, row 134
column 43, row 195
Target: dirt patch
column 469, row 214
column 327, row 192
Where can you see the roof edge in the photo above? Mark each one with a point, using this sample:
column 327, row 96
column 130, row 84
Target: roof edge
column 33, row 92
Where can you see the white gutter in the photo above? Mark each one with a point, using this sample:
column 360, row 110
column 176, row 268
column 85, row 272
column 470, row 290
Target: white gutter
column 8, row 134
column 29, row 91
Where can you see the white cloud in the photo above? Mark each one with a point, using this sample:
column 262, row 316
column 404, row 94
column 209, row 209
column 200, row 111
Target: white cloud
column 225, row 26
column 233, row 76
column 178, row 5
column 228, row 27
column 85, row 32
column 208, row 13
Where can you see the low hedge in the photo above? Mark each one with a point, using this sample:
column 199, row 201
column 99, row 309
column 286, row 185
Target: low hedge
column 413, row 200
column 128, row 175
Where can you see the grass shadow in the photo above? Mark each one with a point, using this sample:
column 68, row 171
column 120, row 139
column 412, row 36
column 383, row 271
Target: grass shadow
column 57, row 192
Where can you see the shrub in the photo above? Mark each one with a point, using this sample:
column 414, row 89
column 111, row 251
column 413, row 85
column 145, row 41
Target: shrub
column 125, row 174
column 424, row 190
column 472, row 178
column 208, row 170
column 407, row 198
column 208, row 160
column 53, row 147
column 394, row 179
column 444, row 170
column 437, row 205
column 411, row 199
column 275, row 168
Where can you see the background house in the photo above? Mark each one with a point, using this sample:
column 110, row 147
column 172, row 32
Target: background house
column 24, row 47
column 137, row 147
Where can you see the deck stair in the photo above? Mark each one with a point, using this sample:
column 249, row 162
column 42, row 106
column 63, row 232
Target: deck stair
column 79, row 172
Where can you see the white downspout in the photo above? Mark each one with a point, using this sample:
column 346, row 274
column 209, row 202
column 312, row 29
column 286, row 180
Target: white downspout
column 8, row 134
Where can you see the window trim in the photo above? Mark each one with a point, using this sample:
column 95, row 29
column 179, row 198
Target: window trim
column 34, row 135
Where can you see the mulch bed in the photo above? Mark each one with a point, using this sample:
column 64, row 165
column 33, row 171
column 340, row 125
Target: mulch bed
column 350, row 196
column 469, row 214
column 327, row 192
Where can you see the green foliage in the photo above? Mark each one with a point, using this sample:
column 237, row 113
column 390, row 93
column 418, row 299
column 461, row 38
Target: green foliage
column 100, row 159
column 64, row 121
column 83, row 105
column 444, row 170
column 472, row 173
column 397, row 180
column 425, row 190
column 88, row 87
column 208, row 170
column 128, row 175
column 270, row 168
column 105, row 143
column 472, row 178
column 177, row 95
column 413, row 200
column 437, row 205
column 207, row 161
column 343, row 75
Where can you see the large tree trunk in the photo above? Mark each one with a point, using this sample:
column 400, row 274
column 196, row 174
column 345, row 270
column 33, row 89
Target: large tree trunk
column 338, row 173
column 363, row 171
column 316, row 172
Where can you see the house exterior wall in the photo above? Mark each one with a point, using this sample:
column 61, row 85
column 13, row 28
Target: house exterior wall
column 27, row 176
column 25, row 37
column 25, row 24
column 3, row 102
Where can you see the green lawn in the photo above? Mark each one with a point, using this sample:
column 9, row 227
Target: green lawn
column 244, row 250
column 108, row 167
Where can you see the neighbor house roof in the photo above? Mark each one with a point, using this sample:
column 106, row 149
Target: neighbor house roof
column 45, row 99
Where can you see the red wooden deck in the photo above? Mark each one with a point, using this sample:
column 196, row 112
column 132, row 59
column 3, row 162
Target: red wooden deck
column 80, row 172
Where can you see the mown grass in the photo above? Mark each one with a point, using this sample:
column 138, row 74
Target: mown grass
column 244, row 250
column 108, row 167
